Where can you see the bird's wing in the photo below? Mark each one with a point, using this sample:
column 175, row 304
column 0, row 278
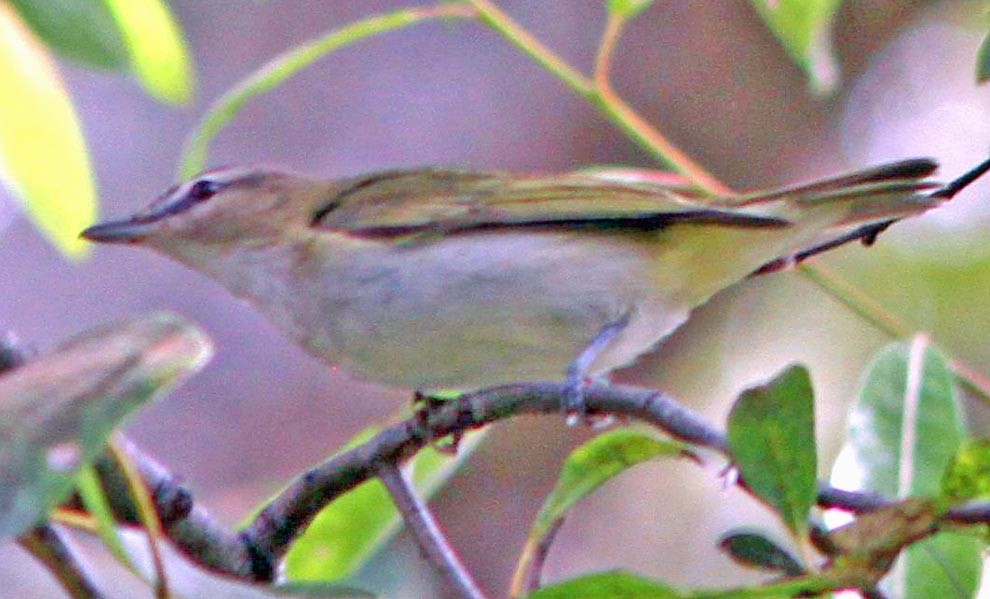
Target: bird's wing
column 403, row 203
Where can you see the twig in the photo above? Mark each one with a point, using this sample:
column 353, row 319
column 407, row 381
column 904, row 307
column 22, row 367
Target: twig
column 289, row 513
column 608, row 103
column 189, row 526
column 49, row 547
column 525, row 580
column 872, row 312
column 252, row 554
column 606, row 48
column 425, row 530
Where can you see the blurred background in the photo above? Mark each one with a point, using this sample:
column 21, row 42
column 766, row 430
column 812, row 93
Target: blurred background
column 707, row 72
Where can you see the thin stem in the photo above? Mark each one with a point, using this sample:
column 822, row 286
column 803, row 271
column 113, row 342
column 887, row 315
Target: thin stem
column 529, row 567
column 49, row 547
column 425, row 530
column 494, row 17
column 863, row 306
column 867, row 309
column 606, row 101
column 138, row 491
column 606, row 49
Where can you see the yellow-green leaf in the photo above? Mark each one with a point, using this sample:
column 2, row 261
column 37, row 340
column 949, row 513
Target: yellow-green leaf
column 159, row 56
column 627, row 9
column 983, row 61
column 968, row 474
column 595, row 463
column 95, row 500
column 78, row 30
column 804, row 28
column 903, row 432
column 43, row 157
column 349, row 531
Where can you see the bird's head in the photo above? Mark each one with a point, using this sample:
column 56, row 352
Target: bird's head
column 232, row 206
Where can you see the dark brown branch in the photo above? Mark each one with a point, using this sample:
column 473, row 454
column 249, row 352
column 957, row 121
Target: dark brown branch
column 186, row 524
column 425, row 530
column 253, row 554
column 50, row 548
column 284, row 518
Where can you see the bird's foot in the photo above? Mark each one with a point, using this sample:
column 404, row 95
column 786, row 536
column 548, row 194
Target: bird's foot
column 578, row 381
column 574, row 407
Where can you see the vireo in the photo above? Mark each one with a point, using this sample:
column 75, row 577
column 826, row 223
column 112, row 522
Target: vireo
column 449, row 279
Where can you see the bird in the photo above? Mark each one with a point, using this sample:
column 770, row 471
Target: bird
column 439, row 278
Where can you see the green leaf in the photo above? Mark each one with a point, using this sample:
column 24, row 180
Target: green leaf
column 903, row 432
column 755, row 549
column 608, row 585
column 96, row 503
column 158, row 54
column 348, row 532
column 79, row 30
column 586, row 469
column 804, row 27
column 282, row 67
column 43, row 157
column 56, row 411
column 983, row 61
column 968, row 474
column 772, row 441
column 627, row 9
column 593, row 464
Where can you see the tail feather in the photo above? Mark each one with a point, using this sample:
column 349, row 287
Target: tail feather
column 906, row 172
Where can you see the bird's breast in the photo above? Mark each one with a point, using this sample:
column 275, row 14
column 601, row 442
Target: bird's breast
column 471, row 310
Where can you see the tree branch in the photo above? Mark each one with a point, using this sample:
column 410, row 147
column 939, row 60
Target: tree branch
column 189, row 526
column 425, row 530
column 49, row 547
column 253, row 554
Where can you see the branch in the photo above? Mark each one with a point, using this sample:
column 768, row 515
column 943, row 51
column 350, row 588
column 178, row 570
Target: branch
column 287, row 515
column 425, row 530
column 189, row 526
column 290, row 512
column 253, row 554
column 49, row 547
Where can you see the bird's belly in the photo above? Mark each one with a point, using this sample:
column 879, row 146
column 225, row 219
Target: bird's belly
column 478, row 310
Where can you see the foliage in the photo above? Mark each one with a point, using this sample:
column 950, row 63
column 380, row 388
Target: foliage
column 905, row 440
column 40, row 135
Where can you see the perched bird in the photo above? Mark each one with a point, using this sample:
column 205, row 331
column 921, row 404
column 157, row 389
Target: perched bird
column 449, row 279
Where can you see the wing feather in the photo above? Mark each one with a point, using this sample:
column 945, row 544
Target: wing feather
column 397, row 203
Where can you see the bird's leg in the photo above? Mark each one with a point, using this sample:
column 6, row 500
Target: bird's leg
column 577, row 370
column 424, row 405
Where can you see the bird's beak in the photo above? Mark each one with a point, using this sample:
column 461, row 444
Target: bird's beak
column 132, row 230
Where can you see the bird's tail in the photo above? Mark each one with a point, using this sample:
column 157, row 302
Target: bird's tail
column 876, row 198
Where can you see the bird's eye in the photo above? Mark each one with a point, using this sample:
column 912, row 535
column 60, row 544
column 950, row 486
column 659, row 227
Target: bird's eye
column 204, row 189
